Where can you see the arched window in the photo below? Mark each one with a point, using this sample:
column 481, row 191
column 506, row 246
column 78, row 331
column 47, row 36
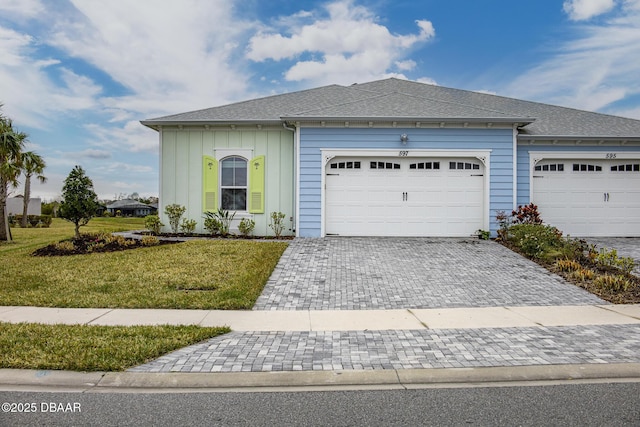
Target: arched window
column 233, row 184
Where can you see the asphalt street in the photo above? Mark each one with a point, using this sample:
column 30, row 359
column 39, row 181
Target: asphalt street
column 560, row 404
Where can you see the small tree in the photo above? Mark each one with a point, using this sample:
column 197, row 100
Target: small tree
column 79, row 201
column 174, row 212
column 32, row 164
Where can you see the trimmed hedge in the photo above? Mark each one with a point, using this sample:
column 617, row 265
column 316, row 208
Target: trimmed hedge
column 42, row 221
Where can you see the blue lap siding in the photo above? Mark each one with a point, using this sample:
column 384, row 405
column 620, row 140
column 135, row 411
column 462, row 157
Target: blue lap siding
column 498, row 140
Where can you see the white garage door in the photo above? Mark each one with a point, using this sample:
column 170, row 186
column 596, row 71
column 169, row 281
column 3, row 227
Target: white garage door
column 404, row 197
column 589, row 197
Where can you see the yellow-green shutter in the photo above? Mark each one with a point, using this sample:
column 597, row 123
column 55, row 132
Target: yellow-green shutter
column 209, row 184
column 256, row 185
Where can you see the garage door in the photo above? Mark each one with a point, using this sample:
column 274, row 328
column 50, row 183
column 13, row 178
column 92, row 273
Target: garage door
column 404, row 197
column 589, row 197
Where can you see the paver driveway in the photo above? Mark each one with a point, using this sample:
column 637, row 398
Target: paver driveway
column 390, row 273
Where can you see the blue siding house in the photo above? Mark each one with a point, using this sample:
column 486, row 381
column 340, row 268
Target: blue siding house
column 401, row 158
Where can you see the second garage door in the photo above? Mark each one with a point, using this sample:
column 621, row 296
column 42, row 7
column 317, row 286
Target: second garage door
column 404, row 197
column 589, row 197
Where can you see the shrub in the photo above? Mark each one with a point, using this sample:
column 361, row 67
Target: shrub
column 527, row 214
column 45, row 221
column 218, row 222
column 65, row 246
column 610, row 259
column 174, row 212
column 277, row 224
column 32, row 220
column 153, row 224
column 537, row 240
column 613, row 282
column 246, row 226
column 188, row 226
column 582, row 275
column 149, row 241
column 567, row 265
column 212, row 224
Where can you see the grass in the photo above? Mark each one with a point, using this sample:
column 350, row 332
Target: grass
column 203, row 274
column 93, row 348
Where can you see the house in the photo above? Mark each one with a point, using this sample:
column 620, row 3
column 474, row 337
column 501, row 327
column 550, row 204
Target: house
column 401, row 158
column 15, row 206
column 130, row 207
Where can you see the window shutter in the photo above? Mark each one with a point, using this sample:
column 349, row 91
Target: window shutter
column 256, row 185
column 209, row 184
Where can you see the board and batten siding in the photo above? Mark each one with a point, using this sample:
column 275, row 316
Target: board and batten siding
column 182, row 174
column 524, row 150
column 312, row 139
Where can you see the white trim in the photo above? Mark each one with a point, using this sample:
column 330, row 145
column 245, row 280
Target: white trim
column 221, row 153
column 537, row 156
column 483, row 155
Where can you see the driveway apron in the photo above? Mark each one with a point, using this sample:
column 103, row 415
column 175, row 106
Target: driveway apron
column 394, row 273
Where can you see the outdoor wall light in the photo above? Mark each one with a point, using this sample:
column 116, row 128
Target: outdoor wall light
column 404, row 138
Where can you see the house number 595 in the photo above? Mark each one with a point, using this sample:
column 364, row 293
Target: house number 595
column 611, row 156
column 403, row 154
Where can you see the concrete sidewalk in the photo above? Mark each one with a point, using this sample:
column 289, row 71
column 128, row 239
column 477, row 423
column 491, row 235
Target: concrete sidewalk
column 337, row 320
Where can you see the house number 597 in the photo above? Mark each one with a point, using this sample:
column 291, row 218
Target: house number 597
column 611, row 155
column 403, row 154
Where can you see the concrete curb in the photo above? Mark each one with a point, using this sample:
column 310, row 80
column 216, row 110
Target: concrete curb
column 11, row 379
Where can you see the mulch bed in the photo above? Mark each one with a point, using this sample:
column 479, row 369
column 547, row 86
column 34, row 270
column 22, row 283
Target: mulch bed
column 87, row 244
column 631, row 296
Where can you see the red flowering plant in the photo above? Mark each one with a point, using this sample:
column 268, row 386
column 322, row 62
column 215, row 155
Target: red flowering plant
column 527, row 214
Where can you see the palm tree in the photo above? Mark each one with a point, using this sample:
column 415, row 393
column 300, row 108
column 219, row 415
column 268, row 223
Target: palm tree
column 11, row 145
column 32, row 164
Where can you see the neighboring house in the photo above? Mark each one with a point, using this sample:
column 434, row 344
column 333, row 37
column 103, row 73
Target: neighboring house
column 15, row 206
column 130, row 207
column 401, row 158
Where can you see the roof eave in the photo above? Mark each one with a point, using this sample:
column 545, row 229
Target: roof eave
column 529, row 137
column 521, row 121
column 156, row 124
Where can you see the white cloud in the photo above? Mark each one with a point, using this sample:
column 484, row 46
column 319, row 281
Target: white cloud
column 406, row 65
column 95, row 154
column 30, row 95
column 596, row 69
column 348, row 45
column 580, row 10
column 130, row 138
column 22, row 8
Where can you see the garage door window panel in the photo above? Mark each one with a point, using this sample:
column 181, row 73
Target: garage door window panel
column 626, row 168
column 586, row 167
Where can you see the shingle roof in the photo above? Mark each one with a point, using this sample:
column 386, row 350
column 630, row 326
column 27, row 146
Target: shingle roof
column 127, row 204
column 397, row 99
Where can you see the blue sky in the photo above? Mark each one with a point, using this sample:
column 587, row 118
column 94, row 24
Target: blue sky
column 79, row 75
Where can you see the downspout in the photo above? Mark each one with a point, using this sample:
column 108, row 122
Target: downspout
column 296, row 180
column 515, row 167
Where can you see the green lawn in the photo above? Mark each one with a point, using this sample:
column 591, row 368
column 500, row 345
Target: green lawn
column 203, row 274
column 94, row 348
